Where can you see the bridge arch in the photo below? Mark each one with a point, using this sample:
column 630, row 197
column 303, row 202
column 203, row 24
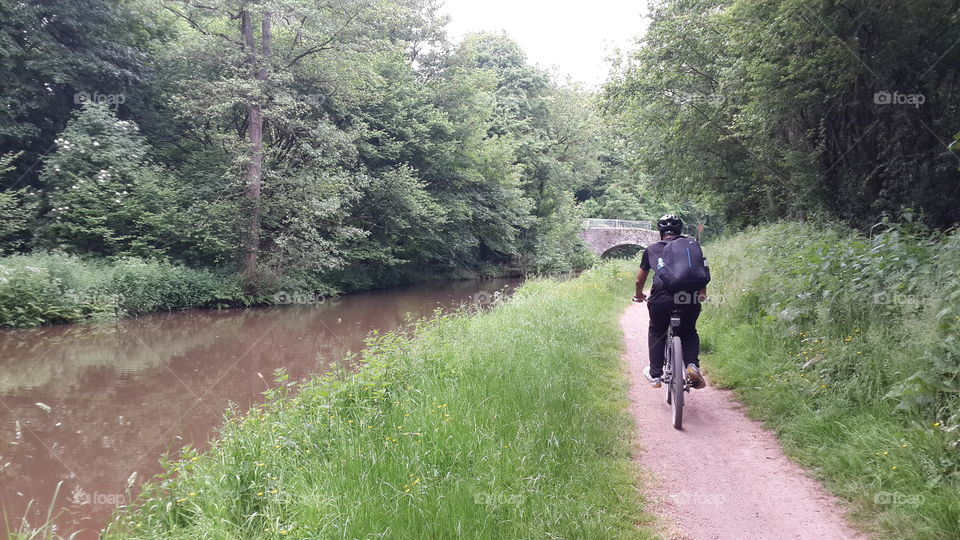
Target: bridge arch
column 623, row 250
column 602, row 235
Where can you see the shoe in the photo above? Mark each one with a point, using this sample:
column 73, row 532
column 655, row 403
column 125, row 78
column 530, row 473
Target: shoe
column 696, row 379
column 654, row 381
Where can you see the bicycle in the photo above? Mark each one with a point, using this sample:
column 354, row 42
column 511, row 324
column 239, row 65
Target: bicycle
column 674, row 371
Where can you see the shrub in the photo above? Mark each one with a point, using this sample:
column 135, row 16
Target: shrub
column 55, row 288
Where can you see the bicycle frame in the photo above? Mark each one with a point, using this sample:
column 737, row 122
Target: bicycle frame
column 674, row 372
column 674, row 369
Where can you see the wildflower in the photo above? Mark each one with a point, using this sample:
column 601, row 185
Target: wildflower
column 259, row 494
column 893, row 468
column 885, row 453
column 936, row 424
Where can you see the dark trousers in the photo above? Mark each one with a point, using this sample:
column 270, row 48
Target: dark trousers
column 657, row 334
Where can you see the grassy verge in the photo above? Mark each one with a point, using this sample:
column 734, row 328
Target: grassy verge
column 848, row 348
column 504, row 424
column 55, row 288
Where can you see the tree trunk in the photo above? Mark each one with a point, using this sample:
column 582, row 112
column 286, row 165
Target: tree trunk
column 255, row 124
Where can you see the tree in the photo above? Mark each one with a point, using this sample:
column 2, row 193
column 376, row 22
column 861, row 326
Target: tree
column 102, row 190
column 776, row 107
column 52, row 54
column 18, row 208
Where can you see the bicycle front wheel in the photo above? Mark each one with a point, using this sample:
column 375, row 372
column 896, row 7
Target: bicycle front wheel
column 676, row 384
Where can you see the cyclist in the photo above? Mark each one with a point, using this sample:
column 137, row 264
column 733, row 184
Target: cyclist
column 662, row 304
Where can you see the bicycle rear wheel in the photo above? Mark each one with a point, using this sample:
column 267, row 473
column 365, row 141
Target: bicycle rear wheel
column 676, row 384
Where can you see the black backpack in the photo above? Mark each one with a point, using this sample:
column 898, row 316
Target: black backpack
column 682, row 267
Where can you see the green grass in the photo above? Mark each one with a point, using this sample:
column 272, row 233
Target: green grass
column 810, row 352
column 505, row 424
column 55, row 288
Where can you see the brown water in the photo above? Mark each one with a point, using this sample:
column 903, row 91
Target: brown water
column 92, row 405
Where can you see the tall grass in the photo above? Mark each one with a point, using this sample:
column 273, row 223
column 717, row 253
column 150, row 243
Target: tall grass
column 504, row 424
column 848, row 347
column 56, row 288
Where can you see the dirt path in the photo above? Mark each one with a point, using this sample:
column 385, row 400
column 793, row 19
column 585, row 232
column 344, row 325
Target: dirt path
column 745, row 487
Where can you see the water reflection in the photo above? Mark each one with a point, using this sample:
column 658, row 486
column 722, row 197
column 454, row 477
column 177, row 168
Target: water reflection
column 91, row 405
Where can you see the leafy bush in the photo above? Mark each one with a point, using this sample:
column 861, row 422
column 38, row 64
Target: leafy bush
column 145, row 287
column 18, row 208
column 55, row 288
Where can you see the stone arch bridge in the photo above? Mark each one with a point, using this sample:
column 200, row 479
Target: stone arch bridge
column 603, row 235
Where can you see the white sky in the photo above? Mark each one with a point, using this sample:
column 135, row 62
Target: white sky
column 575, row 36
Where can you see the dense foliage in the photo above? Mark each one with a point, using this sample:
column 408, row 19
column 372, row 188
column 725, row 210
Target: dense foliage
column 41, row 289
column 796, row 108
column 322, row 146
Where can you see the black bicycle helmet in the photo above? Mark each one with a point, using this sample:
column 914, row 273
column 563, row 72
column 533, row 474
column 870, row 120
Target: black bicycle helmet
column 670, row 224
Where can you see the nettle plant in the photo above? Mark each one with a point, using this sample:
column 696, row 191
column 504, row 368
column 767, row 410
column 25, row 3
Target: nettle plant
column 103, row 189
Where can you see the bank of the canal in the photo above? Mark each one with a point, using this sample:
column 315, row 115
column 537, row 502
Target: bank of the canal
column 93, row 406
column 508, row 424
